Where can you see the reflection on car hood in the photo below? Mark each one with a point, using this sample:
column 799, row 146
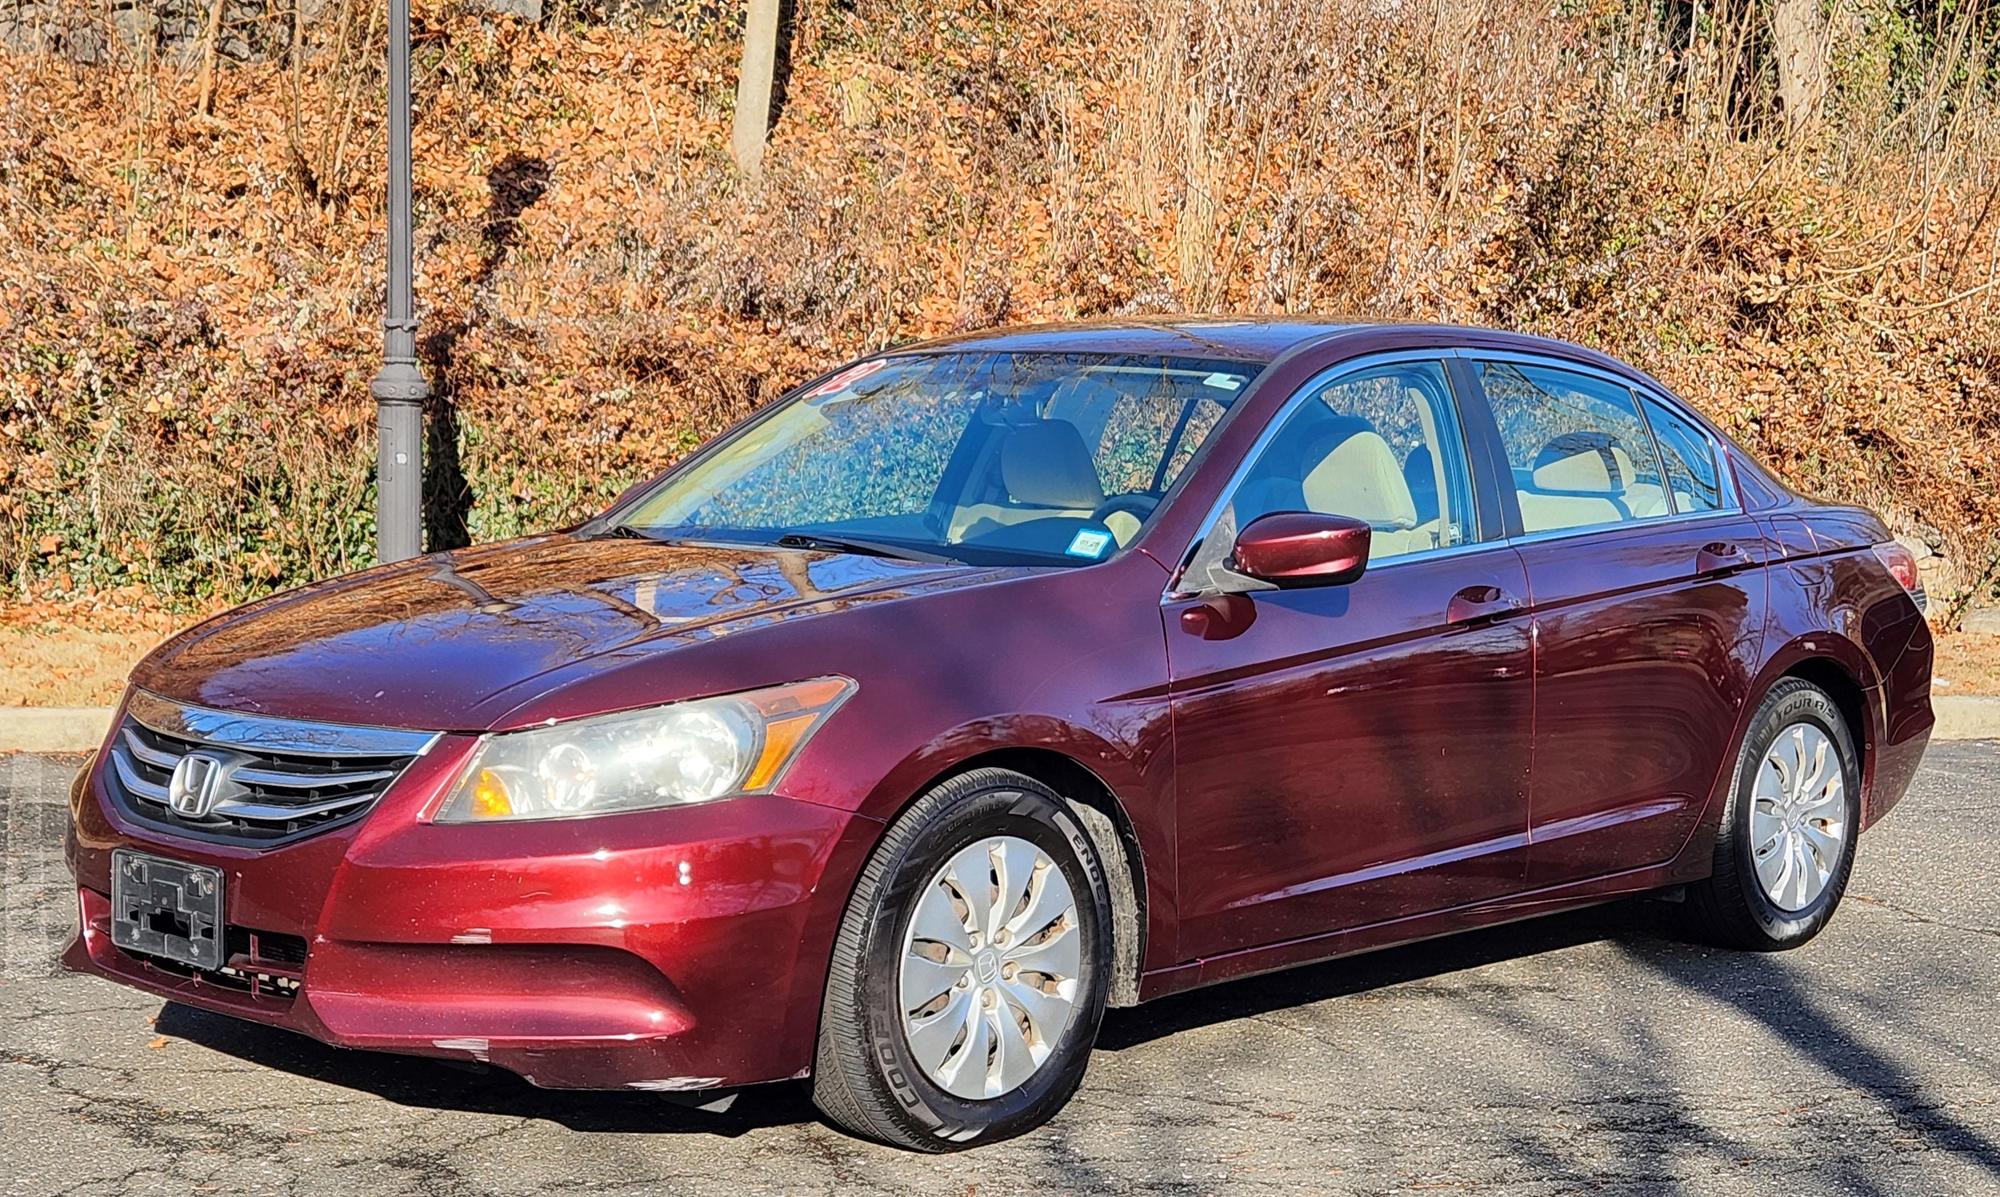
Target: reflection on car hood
column 423, row 642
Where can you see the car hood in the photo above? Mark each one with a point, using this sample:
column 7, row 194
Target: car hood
column 424, row 643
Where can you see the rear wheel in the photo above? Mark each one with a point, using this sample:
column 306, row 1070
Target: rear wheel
column 969, row 974
column 1785, row 849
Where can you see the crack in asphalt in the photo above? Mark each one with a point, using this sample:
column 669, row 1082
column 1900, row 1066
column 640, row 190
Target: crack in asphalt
column 1921, row 917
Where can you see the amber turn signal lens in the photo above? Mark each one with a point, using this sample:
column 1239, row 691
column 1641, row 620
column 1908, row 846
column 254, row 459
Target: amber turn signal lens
column 799, row 698
column 790, row 714
column 489, row 797
column 781, row 738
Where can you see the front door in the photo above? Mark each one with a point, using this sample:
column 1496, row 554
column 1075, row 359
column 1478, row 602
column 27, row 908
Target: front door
column 1353, row 754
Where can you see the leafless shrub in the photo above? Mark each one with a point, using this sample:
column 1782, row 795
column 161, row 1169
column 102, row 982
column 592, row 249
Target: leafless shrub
column 1621, row 173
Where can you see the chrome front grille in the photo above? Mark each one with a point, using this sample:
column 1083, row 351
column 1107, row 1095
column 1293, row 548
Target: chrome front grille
column 251, row 779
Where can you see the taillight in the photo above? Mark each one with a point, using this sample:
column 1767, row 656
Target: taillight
column 1902, row 566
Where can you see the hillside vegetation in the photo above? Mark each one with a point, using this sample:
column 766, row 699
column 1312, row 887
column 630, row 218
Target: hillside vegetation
column 191, row 260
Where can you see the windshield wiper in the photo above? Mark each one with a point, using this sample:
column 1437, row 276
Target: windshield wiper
column 866, row 548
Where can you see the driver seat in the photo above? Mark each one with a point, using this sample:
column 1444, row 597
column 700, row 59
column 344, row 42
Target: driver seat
column 1361, row 478
column 1046, row 464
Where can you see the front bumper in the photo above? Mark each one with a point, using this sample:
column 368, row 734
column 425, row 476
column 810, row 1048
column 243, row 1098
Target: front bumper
column 670, row 950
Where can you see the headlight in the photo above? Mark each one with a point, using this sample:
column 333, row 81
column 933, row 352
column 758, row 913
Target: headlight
column 670, row 755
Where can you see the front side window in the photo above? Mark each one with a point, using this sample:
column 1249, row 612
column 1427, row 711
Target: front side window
column 1578, row 452
column 1692, row 476
column 992, row 458
column 1380, row 445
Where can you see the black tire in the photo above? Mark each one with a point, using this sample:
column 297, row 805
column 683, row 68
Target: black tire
column 864, row 1077
column 1730, row 907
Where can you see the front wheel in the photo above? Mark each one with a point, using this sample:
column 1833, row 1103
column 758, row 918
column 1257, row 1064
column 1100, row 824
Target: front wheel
column 1785, row 849
column 970, row 971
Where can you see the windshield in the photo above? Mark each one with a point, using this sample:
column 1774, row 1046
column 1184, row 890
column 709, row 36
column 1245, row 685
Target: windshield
column 989, row 458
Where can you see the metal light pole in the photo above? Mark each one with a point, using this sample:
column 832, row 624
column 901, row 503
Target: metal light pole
column 399, row 387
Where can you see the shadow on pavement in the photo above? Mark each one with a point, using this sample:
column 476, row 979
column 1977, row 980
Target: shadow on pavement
column 452, row 1085
column 1760, row 987
column 472, row 1088
column 1790, row 1009
column 1374, row 970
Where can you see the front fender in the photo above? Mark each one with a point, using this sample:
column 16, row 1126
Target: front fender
column 1136, row 773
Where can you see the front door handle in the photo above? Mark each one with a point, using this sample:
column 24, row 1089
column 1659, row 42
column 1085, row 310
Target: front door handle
column 1480, row 604
column 1720, row 557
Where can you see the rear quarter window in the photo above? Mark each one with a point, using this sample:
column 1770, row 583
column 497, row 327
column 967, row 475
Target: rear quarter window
column 1693, row 476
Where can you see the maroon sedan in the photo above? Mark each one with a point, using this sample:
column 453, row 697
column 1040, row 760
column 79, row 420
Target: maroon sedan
column 990, row 682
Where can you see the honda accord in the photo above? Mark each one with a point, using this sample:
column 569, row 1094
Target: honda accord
column 986, row 683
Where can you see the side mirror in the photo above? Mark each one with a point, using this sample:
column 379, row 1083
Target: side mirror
column 1301, row 548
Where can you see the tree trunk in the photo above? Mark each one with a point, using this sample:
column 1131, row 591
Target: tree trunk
column 1800, row 40
column 753, row 85
column 205, row 99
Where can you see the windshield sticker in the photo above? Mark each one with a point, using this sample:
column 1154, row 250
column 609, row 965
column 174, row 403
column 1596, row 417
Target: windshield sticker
column 847, row 378
column 1224, row 382
column 1089, row 542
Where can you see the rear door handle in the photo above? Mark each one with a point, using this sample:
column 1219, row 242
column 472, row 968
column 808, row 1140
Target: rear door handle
column 1480, row 604
column 1720, row 557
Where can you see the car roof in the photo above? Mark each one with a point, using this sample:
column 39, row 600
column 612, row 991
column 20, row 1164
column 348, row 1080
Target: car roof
column 1239, row 339
column 1264, row 339
column 1251, row 339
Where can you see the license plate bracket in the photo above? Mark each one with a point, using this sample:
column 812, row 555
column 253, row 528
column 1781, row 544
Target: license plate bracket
column 166, row 908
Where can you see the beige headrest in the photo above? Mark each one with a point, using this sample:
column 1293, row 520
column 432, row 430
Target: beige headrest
column 1361, row 478
column 1585, row 471
column 1047, row 465
column 1123, row 525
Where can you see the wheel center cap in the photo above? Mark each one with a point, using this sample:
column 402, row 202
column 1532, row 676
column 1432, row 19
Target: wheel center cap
column 986, row 966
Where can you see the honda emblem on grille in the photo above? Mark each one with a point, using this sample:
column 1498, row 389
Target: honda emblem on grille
column 196, row 785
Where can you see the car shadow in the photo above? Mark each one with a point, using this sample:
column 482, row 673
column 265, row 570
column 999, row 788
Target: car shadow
column 468, row 1087
column 1646, row 932
column 1766, row 989
column 422, row 1082
column 1377, row 970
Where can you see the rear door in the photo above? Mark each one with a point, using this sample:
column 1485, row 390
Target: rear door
column 1648, row 603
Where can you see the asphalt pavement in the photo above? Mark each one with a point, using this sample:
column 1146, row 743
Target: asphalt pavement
column 1588, row 1053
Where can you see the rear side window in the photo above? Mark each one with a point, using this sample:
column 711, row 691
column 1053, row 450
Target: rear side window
column 1689, row 456
column 1579, row 454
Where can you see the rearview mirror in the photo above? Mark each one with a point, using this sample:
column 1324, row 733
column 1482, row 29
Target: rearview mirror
column 1302, row 548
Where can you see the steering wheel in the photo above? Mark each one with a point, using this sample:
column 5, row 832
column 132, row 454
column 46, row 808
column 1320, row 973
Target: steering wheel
column 1139, row 506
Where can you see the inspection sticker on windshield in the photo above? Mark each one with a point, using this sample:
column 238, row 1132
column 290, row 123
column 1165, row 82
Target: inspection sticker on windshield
column 1224, row 382
column 1089, row 542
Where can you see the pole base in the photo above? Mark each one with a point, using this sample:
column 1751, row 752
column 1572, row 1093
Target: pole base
column 400, row 391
